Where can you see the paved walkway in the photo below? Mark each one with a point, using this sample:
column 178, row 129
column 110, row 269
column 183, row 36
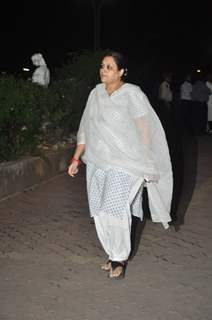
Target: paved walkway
column 50, row 256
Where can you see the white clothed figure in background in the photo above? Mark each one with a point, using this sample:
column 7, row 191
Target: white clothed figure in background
column 186, row 89
column 185, row 100
column 41, row 74
column 165, row 92
column 209, row 103
column 165, row 96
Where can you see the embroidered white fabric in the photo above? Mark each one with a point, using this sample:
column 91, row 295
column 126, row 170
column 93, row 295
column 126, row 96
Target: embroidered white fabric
column 109, row 191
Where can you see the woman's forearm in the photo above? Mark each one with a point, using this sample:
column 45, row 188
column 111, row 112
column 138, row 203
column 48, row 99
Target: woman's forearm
column 79, row 151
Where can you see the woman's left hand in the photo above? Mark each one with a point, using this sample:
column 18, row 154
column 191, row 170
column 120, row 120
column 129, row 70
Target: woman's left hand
column 73, row 169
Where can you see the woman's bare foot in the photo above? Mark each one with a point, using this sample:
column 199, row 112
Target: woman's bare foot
column 106, row 266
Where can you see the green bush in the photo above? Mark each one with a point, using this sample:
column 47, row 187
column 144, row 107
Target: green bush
column 20, row 117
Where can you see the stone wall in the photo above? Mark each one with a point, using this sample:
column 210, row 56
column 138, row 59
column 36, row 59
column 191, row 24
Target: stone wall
column 15, row 176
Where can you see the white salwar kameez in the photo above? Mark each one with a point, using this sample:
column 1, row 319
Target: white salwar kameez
column 122, row 134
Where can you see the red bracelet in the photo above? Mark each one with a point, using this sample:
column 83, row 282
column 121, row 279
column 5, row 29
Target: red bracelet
column 75, row 160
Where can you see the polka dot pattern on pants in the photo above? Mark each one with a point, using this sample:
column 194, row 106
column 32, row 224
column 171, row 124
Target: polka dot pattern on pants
column 108, row 190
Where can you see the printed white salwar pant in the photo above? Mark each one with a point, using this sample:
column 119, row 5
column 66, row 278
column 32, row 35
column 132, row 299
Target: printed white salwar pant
column 114, row 232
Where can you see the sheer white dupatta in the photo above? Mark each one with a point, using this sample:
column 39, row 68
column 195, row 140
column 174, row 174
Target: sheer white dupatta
column 123, row 131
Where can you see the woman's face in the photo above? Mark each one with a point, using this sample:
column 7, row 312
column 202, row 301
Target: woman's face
column 109, row 72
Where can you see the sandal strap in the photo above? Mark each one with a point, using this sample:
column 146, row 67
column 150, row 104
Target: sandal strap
column 116, row 264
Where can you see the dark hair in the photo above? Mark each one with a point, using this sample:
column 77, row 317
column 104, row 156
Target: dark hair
column 120, row 61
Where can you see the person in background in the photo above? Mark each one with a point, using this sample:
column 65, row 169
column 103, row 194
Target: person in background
column 124, row 147
column 199, row 95
column 185, row 100
column 209, row 103
column 165, row 96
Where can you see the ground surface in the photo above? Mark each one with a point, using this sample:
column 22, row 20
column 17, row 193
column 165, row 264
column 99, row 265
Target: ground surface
column 50, row 257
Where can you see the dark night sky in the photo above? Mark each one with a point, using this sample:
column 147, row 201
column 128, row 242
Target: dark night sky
column 176, row 34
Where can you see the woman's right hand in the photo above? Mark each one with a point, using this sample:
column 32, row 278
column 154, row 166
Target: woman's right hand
column 73, row 169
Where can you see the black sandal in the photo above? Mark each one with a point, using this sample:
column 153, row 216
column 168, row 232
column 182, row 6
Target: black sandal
column 115, row 265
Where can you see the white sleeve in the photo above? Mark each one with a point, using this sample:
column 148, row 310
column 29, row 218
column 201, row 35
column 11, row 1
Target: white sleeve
column 81, row 135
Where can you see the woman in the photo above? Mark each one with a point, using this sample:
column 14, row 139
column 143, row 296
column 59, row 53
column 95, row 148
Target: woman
column 123, row 144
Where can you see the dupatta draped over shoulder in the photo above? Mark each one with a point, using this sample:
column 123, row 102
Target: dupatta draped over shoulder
column 123, row 131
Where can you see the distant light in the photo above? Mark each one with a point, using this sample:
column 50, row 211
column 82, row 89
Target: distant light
column 25, row 69
column 198, row 70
